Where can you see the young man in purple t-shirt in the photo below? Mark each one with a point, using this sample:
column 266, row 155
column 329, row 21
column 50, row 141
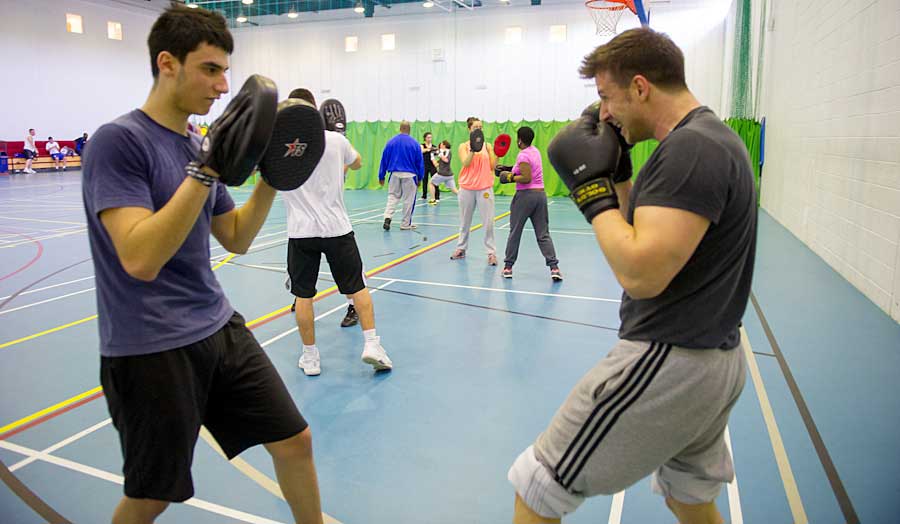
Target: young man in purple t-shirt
column 175, row 355
column 529, row 203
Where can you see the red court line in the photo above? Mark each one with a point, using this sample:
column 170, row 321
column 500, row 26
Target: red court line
column 49, row 416
column 31, row 262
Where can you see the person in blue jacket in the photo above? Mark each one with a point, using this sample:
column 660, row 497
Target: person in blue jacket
column 402, row 157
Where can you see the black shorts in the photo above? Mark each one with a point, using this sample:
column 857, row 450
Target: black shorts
column 342, row 254
column 28, row 154
column 158, row 402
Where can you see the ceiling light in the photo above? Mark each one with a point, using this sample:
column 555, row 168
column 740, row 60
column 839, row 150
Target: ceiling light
column 428, row 3
column 193, row 5
column 359, row 8
column 240, row 19
column 293, row 14
column 247, row 2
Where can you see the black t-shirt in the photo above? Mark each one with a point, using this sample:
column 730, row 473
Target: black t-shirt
column 702, row 166
column 428, row 157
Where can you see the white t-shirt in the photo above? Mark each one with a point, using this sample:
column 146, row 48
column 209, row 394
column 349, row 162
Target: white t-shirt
column 52, row 147
column 316, row 209
column 29, row 143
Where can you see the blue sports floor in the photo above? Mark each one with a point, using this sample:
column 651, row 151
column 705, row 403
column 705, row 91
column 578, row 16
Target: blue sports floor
column 481, row 364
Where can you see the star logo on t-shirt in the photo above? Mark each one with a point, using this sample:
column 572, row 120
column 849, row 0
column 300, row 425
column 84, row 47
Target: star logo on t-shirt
column 295, row 149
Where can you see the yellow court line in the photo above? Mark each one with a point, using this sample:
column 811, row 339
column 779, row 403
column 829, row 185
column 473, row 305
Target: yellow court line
column 47, row 332
column 250, row 324
column 49, row 410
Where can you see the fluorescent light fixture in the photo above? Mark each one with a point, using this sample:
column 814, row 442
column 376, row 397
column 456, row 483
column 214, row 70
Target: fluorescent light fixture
column 558, row 33
column 513, row 35
column 73, row 23
column 193, row 5
column 388, row 42
column 240, row 19
column 351, row 44
column 293, row 14
column 246, row 2
column 428, row 3
column 114, row 30
column 359, row 8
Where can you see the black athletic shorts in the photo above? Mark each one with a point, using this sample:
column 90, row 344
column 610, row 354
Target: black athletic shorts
column 342, row 254
column 158, row 402
column 28, row 154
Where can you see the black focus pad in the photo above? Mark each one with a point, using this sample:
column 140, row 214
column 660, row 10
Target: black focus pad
column 499, row 169
column 335, row 117
column 476, row 140
column 237, row 139
column 297, row 145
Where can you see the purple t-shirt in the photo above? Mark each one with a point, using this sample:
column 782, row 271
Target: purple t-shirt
column 532, row 157
column 135, row 162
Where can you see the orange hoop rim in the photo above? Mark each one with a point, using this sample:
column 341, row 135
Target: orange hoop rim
column 595, row 4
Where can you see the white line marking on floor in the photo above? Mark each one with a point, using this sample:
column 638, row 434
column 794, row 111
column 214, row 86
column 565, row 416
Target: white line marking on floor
column 734, row 496
column 26, row 219
column 781, row 458
column 62, row 443
column 117, row 479
column 499, row 290
column 54, row 299
column 615, row 512
column 36, row 290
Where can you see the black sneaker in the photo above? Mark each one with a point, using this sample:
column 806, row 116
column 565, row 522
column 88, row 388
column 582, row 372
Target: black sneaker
column 387, row 224
column 351, row 318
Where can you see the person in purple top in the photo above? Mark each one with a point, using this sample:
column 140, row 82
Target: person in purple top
column 529, row 203
column 175, row 354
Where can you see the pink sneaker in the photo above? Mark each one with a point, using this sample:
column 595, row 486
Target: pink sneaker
column 458, row 254
column 492, row 259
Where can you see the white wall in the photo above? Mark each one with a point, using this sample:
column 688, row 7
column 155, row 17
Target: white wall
column 481, row 74
column 832, row 172
column 63, row 84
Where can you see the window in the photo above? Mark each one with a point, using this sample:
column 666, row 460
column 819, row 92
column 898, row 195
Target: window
column 557, row 33
column 114, row 30
column 73, row 23
column 351, row 44
column 388, row 42
column 513, row 35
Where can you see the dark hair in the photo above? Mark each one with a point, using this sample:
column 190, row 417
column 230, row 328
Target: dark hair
column 181, row 30
column 526, row 135
column 49, row 138
column 303, row 94
column 471, row 120
column 30, row 129
column 446, row 143
column 640, row 51
column 425, row 136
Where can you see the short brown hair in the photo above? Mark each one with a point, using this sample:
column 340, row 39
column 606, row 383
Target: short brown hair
column 640, row 51
column 303, row 94
column 180, row 30
column 471, row 120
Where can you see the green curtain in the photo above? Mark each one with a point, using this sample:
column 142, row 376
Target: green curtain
column 369, row 139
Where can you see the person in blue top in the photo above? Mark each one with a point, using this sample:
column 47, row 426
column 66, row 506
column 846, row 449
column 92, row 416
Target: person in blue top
column 402, row 157
column 174, row 354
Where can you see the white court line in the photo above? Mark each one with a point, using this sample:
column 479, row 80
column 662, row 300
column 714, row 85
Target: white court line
column 26, row 219
column 50, row 287
column 615, row 512
column 47, row 237
column 54, row 299
column 117, row 479
column 30, row 186
column 62, row 443
column 734, row 496
column 781, row 459
column 498, row 290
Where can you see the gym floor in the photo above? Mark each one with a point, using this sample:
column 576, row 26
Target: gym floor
column 481, row 364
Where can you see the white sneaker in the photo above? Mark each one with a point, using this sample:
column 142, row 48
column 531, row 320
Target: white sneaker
column 407, row 228
column 310, row 363
column 374, row 355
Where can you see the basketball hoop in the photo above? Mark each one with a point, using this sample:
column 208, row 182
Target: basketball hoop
column 606, row 14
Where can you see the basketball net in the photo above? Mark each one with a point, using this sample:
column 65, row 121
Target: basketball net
column 606, row 15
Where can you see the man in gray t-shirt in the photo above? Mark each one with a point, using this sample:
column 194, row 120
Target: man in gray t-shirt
column 681, row 242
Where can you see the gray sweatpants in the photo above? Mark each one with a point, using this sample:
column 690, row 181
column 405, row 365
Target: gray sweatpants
column 647, row 408
column 529, row 204
column 484, row 199
column 401, row 189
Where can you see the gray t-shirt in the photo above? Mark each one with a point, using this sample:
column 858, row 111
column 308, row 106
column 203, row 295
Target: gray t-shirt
column 135, row 162
column 443, row 168
column 702, row 166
